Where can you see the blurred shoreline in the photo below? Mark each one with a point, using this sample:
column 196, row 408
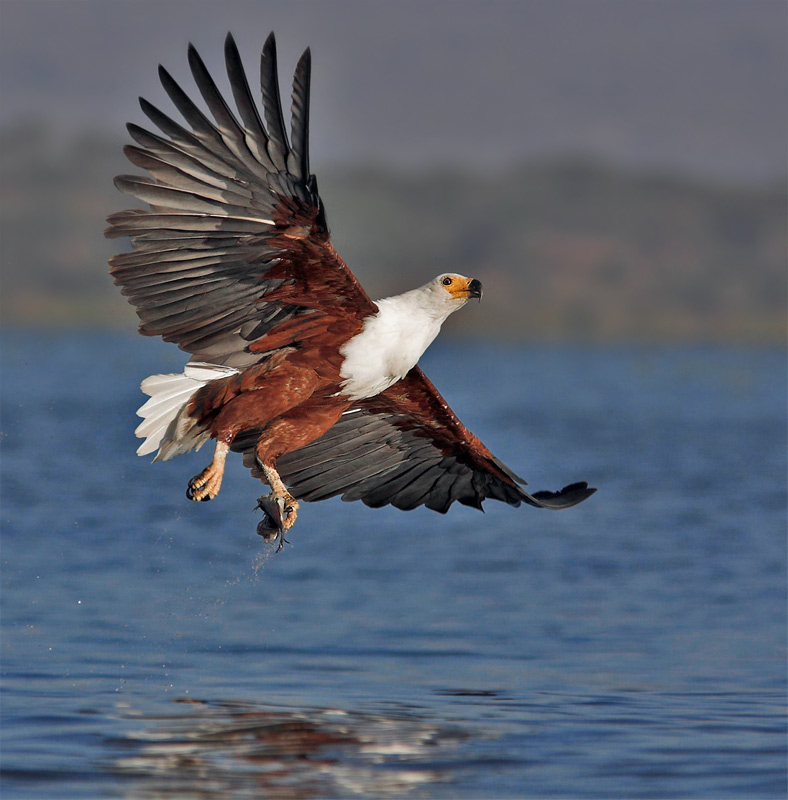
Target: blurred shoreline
column 570, row 249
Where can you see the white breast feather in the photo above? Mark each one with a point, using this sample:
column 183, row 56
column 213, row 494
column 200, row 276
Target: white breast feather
column 389, row 345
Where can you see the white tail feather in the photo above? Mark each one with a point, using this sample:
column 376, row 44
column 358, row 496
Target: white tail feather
column 166, row 426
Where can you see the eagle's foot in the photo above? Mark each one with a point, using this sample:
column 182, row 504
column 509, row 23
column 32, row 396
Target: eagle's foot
column 279, row 515
column 206, row 485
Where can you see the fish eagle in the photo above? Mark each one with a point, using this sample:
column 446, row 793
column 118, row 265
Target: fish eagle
column 292, row 364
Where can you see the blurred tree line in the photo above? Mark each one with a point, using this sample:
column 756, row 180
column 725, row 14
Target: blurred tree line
column 567, row 249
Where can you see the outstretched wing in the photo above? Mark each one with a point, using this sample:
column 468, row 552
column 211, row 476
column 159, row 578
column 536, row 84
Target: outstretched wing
column 407, row 447
column 233, row 256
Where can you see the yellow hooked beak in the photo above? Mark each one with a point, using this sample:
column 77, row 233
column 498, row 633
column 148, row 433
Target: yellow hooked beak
column 466, row 289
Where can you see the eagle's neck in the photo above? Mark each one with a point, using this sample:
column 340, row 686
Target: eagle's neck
column 390, row 343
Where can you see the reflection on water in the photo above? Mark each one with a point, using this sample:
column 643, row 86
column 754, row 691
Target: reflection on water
column 233, row 749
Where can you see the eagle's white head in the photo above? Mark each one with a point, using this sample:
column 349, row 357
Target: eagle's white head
column 453, row 291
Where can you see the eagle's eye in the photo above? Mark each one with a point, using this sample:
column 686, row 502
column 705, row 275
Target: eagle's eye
column 288, row 511
column 446, row 281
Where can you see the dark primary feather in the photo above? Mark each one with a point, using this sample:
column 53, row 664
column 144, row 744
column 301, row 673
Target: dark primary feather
column 215, row 266
column 257, row 138
column 272, row 105
column 298, row 161
column 407, row 448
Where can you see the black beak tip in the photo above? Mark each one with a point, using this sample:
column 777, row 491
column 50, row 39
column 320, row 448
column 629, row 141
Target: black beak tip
column 475, row 289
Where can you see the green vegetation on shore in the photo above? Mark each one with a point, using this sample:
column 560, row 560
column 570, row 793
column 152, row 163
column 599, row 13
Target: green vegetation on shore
column 567, row 249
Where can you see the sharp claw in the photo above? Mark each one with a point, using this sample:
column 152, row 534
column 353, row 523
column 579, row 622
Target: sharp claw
column 191, row 488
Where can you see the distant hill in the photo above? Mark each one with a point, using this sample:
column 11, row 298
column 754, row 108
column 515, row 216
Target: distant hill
column 568, row 249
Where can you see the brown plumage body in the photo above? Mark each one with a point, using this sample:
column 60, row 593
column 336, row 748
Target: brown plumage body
column 291, row 403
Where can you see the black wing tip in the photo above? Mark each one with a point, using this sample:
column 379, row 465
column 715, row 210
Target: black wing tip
column 269, row 46
column 567, row 497
column 230, row 47
column 171, row 86
column 123, row 182
column 193, row 56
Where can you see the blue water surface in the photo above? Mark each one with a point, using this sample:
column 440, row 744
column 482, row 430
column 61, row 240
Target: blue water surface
column 634, row 646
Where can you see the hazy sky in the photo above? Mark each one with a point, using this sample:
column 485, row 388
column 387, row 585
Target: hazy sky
column 682, row 84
